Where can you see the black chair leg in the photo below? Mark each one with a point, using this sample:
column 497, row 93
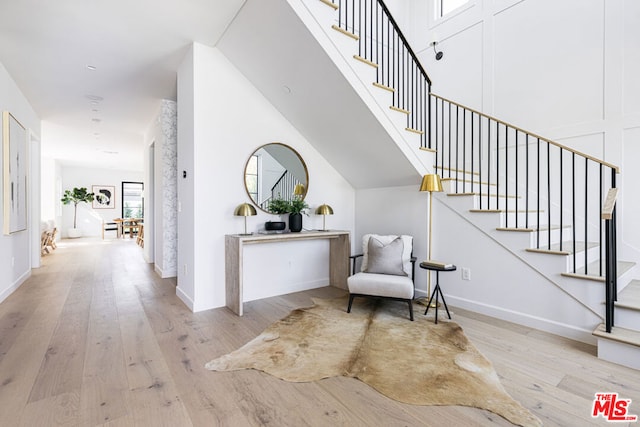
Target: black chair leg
column 410, row 310
column 350, row 302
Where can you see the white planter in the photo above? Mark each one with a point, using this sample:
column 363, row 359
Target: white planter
column 74, row 233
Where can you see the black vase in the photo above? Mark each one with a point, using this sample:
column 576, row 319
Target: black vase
column 295, row 222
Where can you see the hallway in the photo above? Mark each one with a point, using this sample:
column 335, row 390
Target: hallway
column 94, row 337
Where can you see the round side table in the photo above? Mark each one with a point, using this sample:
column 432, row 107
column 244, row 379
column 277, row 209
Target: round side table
column 437, row 292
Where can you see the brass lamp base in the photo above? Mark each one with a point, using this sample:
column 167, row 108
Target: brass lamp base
column 425, row 300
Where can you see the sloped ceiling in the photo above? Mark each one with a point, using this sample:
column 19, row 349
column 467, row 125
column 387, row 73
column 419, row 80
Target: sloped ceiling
column 283, row 60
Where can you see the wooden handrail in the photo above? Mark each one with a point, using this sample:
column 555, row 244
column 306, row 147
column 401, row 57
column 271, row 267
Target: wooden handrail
column 609, row 204
column 564, row 147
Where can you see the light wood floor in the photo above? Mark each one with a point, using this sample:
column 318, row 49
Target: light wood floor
column 95, row 338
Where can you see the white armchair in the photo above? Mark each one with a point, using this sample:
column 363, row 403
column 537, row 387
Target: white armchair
column 387, row 270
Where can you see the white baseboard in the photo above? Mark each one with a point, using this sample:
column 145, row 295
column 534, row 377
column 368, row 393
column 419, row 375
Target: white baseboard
column 15, row 285
column 164, row 274
column 556, row 328
column 185, row 298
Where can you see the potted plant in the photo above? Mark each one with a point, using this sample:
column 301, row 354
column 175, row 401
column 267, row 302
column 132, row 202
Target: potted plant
column 76, row 196
column 297, row 207
column 276, row 206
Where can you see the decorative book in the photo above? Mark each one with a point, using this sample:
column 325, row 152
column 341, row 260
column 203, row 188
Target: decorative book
column 437, row 264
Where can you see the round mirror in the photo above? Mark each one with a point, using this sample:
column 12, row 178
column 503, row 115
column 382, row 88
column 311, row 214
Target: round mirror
column 275, row 172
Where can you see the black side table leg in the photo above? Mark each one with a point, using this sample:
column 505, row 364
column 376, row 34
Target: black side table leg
column 444, row 302
column 431, row 296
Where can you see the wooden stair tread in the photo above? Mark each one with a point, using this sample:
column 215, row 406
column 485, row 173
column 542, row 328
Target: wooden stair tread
column 503, row 211
column 567, row 248
column 431, row 150
column 468, row 181
column 456, row 170
column 622, row 335
column 330, row 4
column 381, row 86
column 345, row 32
column 399, row 110
column 542, row 229
column 365, row 61
column 473, row 193
column 593, row 268
column 418, row 131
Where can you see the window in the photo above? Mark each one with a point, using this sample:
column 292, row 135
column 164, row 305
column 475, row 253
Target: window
column 132, row 200
column 444, row 7
column 251, row 177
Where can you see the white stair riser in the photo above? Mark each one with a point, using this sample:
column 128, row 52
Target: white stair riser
column 593, row 254
column 620, row 353
column 627, row 318
column 556, row 235
column 522, row 219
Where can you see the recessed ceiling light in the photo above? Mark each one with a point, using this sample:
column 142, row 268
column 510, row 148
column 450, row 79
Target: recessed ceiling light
column 91, row 67
column 95, row 110
column 96, row 120
column 94, row 97
column 109, row 152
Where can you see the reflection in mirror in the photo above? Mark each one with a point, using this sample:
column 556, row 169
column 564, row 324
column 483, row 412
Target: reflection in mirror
column 273, row 171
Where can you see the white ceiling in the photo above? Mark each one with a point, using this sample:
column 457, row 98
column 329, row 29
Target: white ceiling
column 136, row 47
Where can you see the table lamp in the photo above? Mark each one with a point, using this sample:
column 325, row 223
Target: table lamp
column 324, row 210
column 299, row 190
column 245, row 210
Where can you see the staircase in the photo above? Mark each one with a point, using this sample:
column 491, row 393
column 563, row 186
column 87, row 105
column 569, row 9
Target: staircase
column 541, row 200
column 538, row 200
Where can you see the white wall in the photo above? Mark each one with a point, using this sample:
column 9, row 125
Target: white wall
column 222, row 119
column 16, row 249
column 89, row 219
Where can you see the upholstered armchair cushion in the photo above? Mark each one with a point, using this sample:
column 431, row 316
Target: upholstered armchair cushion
column 383, row 285
column 385, row 258
column 385, row 240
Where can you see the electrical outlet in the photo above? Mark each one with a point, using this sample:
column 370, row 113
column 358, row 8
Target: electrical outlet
column 184, row 269
column 13, row 261
column 466, row 274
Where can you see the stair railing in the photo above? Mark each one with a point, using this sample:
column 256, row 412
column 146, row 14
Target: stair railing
column 530, row 179
column 284, row 187
column 382, row 45
column 538, row 184
column 611, row 276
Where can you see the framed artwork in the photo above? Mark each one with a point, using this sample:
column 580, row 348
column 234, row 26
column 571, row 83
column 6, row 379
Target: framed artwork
column 105, row 197
column 14, row 177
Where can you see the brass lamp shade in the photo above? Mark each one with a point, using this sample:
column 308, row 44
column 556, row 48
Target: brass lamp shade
column 324, row 210
column 245, row 210
column 431, row 183
column 299, row 190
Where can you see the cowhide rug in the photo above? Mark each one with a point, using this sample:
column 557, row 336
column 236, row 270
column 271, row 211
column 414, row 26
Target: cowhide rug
column 418, row 362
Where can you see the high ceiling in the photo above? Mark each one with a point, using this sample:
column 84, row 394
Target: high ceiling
column 95, row 71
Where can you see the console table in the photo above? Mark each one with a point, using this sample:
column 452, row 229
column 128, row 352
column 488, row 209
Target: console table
column 339, row 250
